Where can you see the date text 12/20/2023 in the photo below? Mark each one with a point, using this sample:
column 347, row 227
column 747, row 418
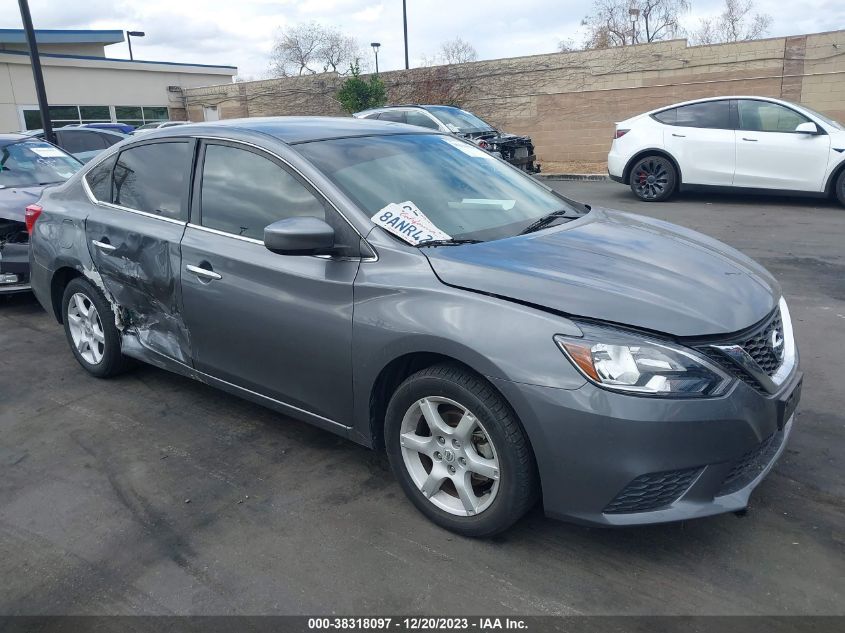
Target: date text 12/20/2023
column 418, row 623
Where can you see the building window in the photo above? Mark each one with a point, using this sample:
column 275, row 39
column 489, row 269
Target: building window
column 61, row 116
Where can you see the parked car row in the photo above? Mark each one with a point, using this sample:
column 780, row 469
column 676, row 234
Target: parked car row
column 406, row 289
column 751, row 144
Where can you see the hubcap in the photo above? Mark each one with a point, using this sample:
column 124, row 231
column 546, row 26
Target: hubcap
column 86, row 329
column 651, row 178
column 450, row 456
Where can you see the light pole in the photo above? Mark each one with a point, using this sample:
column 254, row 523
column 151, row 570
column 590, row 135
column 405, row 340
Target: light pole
column 129, row 36
column 35, row 61
column 405, row 26
column 376, row 46
column 635, row 15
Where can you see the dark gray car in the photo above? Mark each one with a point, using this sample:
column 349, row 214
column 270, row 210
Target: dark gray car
column 410, row 292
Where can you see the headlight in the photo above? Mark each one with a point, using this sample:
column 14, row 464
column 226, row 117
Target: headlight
column 623, row 361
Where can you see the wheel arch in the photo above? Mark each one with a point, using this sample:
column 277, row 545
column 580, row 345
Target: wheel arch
column 834, row 175
column 58, row 282
column 626, row 174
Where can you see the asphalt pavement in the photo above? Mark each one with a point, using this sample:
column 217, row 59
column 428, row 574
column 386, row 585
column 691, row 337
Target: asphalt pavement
column 155, row 494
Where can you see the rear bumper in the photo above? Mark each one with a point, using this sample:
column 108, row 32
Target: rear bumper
column 616, row 165
column 611, row 459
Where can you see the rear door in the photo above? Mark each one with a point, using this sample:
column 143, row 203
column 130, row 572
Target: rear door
column 133, row 232
column 770, row 154
column 277, row 325
column 701, row 138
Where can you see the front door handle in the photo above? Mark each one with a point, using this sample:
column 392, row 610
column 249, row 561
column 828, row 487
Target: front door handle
column 679, row 135
column 203, row 272
column 750, row 140
column 104, row 246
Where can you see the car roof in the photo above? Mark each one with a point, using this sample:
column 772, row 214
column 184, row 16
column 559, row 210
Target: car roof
column 5, row 139
column 297, row 129
column 722, row 98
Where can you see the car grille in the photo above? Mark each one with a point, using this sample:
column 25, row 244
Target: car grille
column 757, row 344
column 748, row 467
column 652, row 491
column 520, row 152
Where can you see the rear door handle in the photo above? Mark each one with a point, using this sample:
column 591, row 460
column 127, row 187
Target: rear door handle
column 203, row 272
column 750, row 140
column 679, row 135
column 104, row 246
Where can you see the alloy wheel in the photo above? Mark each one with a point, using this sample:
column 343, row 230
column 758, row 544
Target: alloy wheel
column 651, row 178
column 86, row 329
column 449, row 456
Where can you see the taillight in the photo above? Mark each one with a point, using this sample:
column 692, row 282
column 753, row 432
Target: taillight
column 621, row 133
column 31, row 215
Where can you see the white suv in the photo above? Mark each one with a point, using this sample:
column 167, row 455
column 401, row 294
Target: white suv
column 747, row 143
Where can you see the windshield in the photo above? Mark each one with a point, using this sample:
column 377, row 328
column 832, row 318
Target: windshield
column 28, row 163
column 463, row 190
column 459, row 120
column 823, row 117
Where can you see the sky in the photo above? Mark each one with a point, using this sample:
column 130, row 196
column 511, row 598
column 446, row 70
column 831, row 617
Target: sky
column 241, row 32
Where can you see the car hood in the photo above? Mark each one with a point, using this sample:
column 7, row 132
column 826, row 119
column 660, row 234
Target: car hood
column 620, row 268
column 14, row 200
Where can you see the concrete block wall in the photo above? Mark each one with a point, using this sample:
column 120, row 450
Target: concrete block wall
column 569, row 102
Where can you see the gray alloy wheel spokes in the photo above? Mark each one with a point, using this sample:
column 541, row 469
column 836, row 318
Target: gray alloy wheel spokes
column 450, row 456
column 86, row 329
column 651, row 178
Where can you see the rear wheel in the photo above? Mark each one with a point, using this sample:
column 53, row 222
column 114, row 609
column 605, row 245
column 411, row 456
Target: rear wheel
column 459, row 452
column 840, row 188
column 90, row 329
column 653, row 178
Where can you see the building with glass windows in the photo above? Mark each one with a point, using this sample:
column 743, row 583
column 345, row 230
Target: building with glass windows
column 85, row 86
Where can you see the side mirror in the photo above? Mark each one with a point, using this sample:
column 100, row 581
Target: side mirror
column 808, row 128
column 299, row 236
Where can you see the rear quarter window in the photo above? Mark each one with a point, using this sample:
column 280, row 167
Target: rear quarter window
column 99, row 179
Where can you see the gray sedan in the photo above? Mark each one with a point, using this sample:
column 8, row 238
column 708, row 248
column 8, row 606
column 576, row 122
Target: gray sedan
column 406, row 290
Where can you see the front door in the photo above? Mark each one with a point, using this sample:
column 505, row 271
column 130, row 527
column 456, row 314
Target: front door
column 277, row 325
column 133, row 233
column 770, row 154
column 701, row 138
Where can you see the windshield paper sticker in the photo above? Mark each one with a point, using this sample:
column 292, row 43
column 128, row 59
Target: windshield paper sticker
column 47, row 152
column 405, row 220
column 467, row 148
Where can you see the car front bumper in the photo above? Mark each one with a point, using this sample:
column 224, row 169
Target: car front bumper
column 611, row 459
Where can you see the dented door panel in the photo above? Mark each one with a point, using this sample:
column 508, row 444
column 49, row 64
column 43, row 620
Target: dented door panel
column 138, row 258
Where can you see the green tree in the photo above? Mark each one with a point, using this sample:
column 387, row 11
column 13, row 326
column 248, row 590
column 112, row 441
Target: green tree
column 358, row 94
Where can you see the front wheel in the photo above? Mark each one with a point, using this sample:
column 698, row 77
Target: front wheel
column 840, row 188
column 653, row 178
column 459, row 452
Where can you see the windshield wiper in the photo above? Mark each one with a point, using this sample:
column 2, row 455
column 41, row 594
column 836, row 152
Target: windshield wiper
column 449, row 242
column 547, row 219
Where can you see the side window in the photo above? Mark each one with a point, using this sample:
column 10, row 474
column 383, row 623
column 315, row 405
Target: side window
column 762, row 116
column 99, row 179
column 392, row 115
column 710, row 114
column 243, row 192
column 418, row 118
column 669, row 117
column 74, row 142
column 153, row 178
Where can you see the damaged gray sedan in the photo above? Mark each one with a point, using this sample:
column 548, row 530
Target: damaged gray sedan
column 405, row 289
column 26, row 166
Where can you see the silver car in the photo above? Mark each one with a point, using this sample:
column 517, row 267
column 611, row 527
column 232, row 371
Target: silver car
column 408, row 291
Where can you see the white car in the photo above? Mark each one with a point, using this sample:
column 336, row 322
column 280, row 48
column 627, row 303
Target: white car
column 741, row 143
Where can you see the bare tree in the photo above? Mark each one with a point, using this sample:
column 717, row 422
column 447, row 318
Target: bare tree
column 626, row 22
column 736, row 23
column 338, row 50
column 458, row 51
column 296, row 50
column 566, row 46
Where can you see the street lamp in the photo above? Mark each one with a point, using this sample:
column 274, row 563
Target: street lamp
column 129, row 36
column 375, row 46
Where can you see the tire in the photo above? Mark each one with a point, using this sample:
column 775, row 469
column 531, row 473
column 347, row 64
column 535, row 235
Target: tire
column 840, row 188
column 653, row 178
column 99, row 352
column 495, row 468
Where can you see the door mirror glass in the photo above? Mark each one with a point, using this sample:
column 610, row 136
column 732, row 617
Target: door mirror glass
column 808, row 128
column 299, row 236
